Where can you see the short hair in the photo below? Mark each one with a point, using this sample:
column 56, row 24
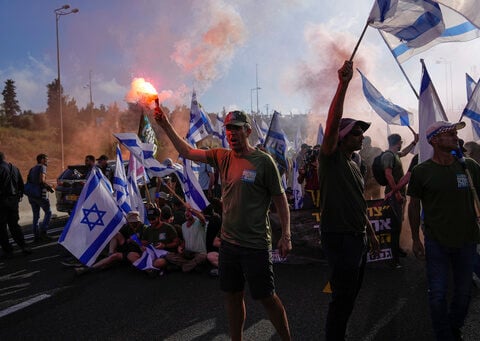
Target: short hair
column 393, row 139
column 90, row 158
column 40, row 157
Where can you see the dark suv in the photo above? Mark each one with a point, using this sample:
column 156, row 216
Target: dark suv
column 69, row 185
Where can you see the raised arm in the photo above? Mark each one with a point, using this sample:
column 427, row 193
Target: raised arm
column 410, row 147
column 335, row 112
column 182, row 147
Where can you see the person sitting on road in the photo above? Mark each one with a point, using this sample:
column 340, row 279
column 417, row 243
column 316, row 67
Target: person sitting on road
column 160, row 234
column 124, row 246
column 192, row 252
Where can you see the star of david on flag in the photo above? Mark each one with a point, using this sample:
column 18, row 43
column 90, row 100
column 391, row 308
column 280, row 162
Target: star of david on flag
column 95, row 219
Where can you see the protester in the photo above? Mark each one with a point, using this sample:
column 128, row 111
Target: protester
column 308, row 173
column 125, row 245
column 450, row 227
column 368, row 153
column 38, row 197
column 392, row 166
column 11, row 193
column 192, row 251
column 102, row 163
column 343, row 209
column 160, row 234
column 250, row 180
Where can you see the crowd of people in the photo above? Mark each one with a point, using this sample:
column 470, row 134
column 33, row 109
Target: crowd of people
column 234, row 241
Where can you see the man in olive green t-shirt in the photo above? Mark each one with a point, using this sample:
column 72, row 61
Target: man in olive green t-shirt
column 443, row 187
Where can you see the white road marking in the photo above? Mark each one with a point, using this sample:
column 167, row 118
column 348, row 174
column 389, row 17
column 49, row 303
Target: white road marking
column 381, row 323
column 23, row 305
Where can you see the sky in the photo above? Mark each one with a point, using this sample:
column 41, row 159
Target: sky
column 219, row 48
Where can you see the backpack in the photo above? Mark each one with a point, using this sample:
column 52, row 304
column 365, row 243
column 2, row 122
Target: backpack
column 378, row 170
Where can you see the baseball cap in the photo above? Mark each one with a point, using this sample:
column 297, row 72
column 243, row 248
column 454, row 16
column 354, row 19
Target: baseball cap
column 153, row 212
column 133, row 217
column 347, row 124
column 103, row 157
column 441, row 127
column 236, row 118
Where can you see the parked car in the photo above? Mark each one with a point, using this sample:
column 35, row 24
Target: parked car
column 70, row 184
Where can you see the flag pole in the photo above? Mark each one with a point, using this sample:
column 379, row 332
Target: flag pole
column 359, row 40
column 400, row 66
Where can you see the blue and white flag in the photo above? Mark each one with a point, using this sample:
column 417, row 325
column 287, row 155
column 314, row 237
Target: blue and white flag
column 457, row 29
column 262, row 129
column 430, row 110
column 416, row 23
column 276, row 143
column 475, row 125
column 472, row 110
column 120, row 184
column 389, row 112
column 219, row 131
column 95, row 219
column 135, row 172
column 468, row 8
column 145, row 262
column 200, row 125
column 191, row 187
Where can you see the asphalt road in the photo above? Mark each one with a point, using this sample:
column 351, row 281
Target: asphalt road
column 40, row 299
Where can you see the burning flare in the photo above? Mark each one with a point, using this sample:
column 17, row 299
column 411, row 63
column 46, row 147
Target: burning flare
column 141, row 91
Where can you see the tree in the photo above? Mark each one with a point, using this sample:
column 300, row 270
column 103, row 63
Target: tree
column 11, row 108
column 53, row 110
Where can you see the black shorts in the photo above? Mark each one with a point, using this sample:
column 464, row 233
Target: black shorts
column 239, row 264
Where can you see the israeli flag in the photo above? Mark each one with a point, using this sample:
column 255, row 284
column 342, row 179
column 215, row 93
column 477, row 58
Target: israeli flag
column 191, row 187
column 145, row 262
column 219, row 131
column 135, row 172
column 120, row 184
column 276, row 143
column 457, row 29
column 94, row 221
column 416, row 23
column 389, row 112
column 475, row 125
column 320, row 134
column 200, row 125
column 261, row 128
column 467, row 8
column 472, row 110
column 430, row 110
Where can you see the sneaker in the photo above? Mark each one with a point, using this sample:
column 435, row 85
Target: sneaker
column 213, row 272
column 26, row 250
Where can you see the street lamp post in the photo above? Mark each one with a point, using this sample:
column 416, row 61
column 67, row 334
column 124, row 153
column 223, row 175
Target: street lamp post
column 64, row 10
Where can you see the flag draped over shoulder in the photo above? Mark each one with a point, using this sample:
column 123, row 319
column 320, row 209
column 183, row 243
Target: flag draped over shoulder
column 470, row 87
column 389, row 112
column 457, row 29
column 94, row 221
column 276, row 143
column 430, row 110
column 147, row 134
column 468, row 8
column 416, row 23
column 200, row 125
